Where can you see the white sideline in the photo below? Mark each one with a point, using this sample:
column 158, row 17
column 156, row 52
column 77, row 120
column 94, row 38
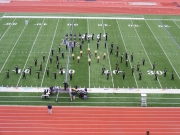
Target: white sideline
column 97, row 90
column 83, row 17
column 71, row 17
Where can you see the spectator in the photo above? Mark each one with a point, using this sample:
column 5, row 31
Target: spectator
column 45, row 93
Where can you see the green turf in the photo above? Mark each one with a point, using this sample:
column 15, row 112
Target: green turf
column 99, row 99
column 155, row 40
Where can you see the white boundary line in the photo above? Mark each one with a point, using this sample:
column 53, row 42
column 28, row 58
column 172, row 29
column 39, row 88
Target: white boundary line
column 49, row 53
column 94, row 113
column 30, row 52
column 53, row 128
column 90, row 97
column 126, row 50
column 162, row 49
column 84, row 17
column 102, row 107
column 91, row 102
column 88, row 56
column 12, row 48
column 108, row 58
column 73, row 17
column 115, row 122
column 144, row 50
column 82, row 132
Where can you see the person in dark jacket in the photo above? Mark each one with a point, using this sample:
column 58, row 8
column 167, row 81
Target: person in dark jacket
column 49, row 109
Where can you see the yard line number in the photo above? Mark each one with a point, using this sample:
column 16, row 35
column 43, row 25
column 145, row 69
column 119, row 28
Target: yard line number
column 133, row 25
column 10, row 24
column 104, row 25
column 166, row 26
column 69, row 24
column 151, row 72
column 27, row 71
column 40, row 24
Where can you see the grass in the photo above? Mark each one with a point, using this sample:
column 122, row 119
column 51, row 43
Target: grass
column 99, row 99
column 155, row 40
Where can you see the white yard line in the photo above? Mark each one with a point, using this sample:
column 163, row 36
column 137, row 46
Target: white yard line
column 169, row 34
column 108, row 58
column 176, row 24
column 12, row 48
column 126, row 50
column 49, row 53
column 30, row 52
column 67, row 64
column 7, row 30
column 88, row 57
column 163, row 49
column 2, row 16
column 144, row 50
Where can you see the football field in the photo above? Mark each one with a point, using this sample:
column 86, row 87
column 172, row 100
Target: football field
column 156, row 40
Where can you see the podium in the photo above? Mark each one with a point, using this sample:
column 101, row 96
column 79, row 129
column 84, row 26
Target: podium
column 143, row 100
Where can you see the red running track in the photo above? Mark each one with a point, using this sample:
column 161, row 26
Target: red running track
column 99, row 6
column 24, row 120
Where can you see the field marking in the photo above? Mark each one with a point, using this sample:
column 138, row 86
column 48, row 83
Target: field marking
column 95, row 17
column 81, row 132
column 88, row 54
column 52, row 102
column 176, row 24
column 82, row 117
column 169, row 34
column 74, row 17
column 30, row 53
column 91, row 114
column 115, row 123
column 54, row 128
column 108, row 58
column 179, row 28
column 162, row 49
column 49, row 53
column 85, row 107
column 90, row 97
column 122, row 122
column 13, row 46
column 126, row 51
column 126, row 36
column 67, row 65
column 66, row 110
column 145, row 51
